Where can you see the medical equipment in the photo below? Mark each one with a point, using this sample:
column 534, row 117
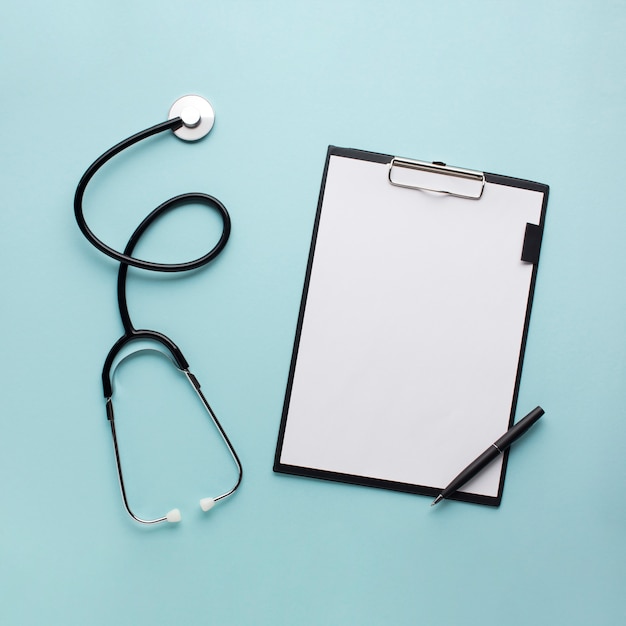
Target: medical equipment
column 190, row 118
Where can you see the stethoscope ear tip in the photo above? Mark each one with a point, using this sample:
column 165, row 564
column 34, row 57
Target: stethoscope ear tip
column 206, row 504
column 173, row 516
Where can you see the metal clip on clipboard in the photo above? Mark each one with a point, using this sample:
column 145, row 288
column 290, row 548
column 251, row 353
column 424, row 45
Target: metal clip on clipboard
column 467, row 184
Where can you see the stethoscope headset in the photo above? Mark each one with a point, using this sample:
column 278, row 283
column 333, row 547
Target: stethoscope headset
column 190, row 118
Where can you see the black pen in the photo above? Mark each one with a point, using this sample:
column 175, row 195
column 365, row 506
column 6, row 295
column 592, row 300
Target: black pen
column 493, row 451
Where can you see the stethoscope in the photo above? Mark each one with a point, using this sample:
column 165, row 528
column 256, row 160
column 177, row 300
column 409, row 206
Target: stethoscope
column 190, row 118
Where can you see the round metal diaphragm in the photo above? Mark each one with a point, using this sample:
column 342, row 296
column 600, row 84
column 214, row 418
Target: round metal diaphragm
column 197, row 115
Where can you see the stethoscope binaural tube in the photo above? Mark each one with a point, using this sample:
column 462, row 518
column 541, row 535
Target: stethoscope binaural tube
column 126, row 258
column 171, row 203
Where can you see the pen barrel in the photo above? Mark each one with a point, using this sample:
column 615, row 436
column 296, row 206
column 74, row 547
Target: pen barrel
column 471, row 470
column 516, row 431
column 494, row 450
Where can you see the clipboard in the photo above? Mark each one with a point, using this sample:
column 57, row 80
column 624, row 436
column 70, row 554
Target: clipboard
column 413, row 321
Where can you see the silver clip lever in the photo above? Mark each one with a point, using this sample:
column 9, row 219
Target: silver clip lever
column 437, row 178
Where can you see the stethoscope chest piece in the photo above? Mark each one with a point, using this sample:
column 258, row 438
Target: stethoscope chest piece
column 197, row 115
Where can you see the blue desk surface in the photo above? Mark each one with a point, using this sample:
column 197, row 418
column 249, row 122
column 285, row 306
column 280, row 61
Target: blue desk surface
column 530, row 89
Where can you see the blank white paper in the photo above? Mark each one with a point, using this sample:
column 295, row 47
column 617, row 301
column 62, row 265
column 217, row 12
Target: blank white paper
column 412, row 330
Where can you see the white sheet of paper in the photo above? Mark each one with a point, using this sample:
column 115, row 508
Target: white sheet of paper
column 412, row 330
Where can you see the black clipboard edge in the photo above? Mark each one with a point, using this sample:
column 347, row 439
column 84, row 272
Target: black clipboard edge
column 307, row 472
column 332, row 150
column 545, row 190
column 389, row 485
column 361, row 155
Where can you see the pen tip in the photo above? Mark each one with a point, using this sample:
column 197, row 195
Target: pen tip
column 439, row 498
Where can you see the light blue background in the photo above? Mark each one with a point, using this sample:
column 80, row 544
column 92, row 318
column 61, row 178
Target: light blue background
column 532, row 89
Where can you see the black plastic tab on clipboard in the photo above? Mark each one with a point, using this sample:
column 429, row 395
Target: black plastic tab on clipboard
column 532, row 244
